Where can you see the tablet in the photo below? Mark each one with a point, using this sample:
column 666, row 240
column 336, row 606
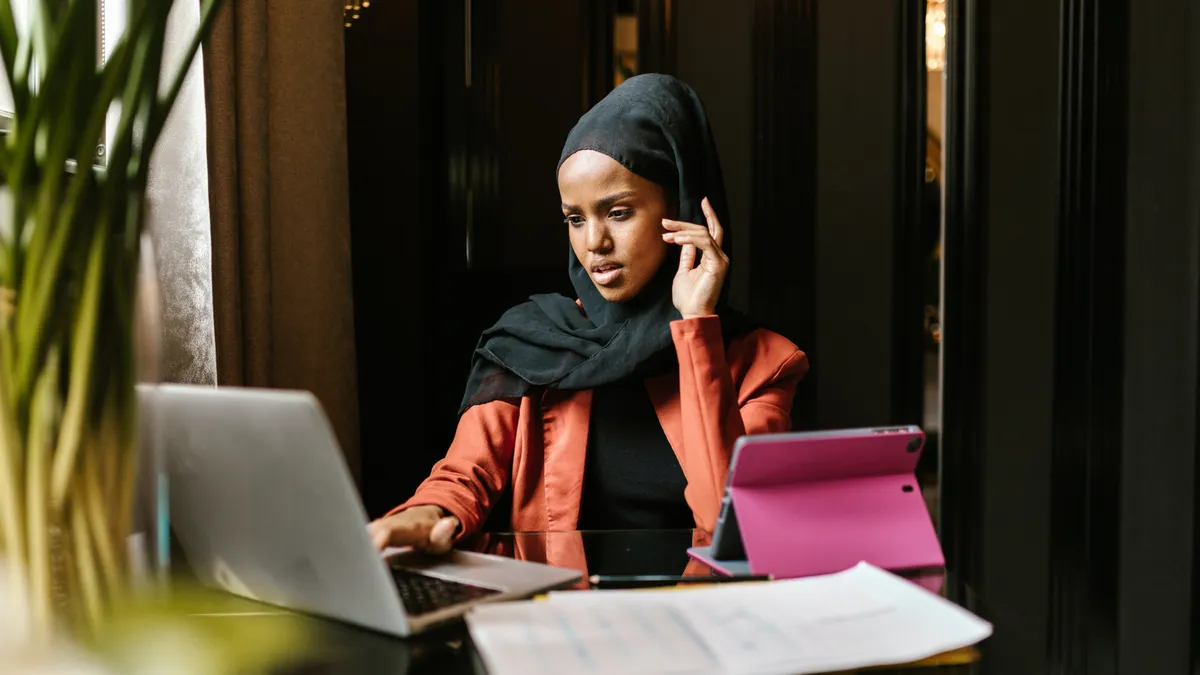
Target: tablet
column 834, row 485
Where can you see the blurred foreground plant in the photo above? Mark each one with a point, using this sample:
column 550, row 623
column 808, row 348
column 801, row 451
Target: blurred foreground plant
column 151, row 635
column 70, row 244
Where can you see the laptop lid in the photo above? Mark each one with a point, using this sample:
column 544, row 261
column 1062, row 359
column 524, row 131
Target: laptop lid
column 263, row 505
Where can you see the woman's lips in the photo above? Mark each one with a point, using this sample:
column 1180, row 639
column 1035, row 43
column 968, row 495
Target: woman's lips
column 606, row 275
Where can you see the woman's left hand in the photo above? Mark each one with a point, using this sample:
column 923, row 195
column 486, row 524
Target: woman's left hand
column 697, row 287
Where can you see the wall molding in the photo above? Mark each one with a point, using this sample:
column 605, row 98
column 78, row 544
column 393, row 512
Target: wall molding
column 1088, row 354
column 909, row 254
column 964, row 273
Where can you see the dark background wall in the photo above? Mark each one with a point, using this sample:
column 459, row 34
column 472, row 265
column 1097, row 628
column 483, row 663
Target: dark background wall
column 383, row 69
column 855, row 200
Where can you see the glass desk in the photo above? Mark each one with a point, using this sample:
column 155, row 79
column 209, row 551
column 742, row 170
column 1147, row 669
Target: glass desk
column 447, row 651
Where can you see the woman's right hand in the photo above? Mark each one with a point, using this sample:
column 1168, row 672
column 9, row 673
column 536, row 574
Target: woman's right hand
column 428, row 528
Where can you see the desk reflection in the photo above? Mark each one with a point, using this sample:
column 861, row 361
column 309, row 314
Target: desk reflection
column 615, row 553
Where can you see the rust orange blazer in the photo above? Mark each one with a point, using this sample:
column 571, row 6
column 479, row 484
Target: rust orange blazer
column 537, row 444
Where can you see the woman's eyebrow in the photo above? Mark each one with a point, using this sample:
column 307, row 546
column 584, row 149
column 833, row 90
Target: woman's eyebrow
column 603, row 202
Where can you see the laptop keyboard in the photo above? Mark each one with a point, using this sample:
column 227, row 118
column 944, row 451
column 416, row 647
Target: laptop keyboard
column 422, row 593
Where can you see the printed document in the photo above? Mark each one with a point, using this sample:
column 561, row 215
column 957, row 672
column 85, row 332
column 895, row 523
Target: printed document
column 858, row 618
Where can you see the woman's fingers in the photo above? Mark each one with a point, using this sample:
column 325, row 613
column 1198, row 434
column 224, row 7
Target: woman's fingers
column 380, row 535
column 680, row 226
column 700, row 240
column 678, row 231
column 687, row 257
column 421, row 527
column 692, row 237
column 397, row 531
column 441, row 535
column 714, row 225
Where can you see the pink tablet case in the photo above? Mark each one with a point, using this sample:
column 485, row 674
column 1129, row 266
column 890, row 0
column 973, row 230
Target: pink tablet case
column 819, row 505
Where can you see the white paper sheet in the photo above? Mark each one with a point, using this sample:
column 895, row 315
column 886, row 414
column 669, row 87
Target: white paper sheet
column 554, row 639
column 857, row 618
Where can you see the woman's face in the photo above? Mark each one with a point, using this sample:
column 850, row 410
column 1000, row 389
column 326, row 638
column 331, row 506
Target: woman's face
column 615, row 222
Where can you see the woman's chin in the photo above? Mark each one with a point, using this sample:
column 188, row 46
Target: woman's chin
column 616, row 294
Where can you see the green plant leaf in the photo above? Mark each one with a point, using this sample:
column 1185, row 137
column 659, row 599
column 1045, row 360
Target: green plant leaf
column 8, row 53
column 49, row 243
column 83, row 358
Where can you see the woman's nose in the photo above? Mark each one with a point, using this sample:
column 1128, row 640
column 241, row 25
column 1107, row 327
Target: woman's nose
column 597, row 237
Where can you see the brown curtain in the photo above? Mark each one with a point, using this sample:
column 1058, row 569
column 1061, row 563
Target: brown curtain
column 276, row 95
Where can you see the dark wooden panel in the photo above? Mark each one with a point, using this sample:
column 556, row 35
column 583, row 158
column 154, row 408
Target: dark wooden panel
column 656, row 36
column 964, row 272
column 541, row 95
column 910, row 243
column 1159, row 337
column 597, row 38
column 1085, row 471
column 781, row 255
column 856, row 160
column 1019, row 174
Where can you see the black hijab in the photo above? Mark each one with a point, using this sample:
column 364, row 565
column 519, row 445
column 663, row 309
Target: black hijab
column 656, row 127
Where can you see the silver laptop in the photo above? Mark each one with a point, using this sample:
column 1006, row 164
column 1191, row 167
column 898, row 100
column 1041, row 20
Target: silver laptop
column 264, row 507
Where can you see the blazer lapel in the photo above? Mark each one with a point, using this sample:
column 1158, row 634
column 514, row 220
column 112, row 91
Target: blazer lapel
column 565, row 434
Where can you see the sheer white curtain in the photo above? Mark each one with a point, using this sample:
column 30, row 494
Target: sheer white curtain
column 178, row 207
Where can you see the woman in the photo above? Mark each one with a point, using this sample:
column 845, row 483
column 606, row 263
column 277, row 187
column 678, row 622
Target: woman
column 618, row 410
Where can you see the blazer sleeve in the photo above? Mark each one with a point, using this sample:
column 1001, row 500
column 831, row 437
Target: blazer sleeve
column 476, row 468
column 715, row 413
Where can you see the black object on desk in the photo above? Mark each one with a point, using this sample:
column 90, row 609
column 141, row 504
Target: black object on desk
column 600, row 581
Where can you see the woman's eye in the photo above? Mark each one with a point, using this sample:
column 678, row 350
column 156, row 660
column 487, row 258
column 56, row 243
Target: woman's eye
column 620, row 214
column 573, row 221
